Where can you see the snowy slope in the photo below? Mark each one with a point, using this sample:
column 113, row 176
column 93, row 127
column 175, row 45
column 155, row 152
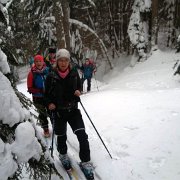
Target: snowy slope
column 137, row 113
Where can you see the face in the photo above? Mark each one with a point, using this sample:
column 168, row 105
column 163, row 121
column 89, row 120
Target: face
column 52, row 55
column 39, row 64
column 87, row 62
column 63, row 63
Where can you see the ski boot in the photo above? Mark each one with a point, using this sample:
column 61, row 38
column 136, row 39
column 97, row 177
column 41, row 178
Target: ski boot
column 87, row 169
column 65, row 161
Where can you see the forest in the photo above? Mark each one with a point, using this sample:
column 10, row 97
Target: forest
column 107, row 28
column 100, row 29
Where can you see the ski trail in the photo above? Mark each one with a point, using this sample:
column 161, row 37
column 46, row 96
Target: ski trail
column 96, row 176
column 72, row 147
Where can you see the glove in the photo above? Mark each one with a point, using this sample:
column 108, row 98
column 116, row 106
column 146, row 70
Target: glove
column 77, row 98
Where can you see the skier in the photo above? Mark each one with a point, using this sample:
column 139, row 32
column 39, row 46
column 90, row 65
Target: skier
column 62, row 93
column 50, row 60
column 87, row 72
column 31, row 61
column 35, row 84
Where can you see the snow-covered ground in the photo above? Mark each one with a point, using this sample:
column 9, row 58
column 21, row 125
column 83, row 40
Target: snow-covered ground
column 137, row 114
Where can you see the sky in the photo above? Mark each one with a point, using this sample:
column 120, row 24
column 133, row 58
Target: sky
column 135, row 110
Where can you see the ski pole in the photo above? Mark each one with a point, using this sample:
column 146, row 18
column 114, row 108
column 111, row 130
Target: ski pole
column 52, row 142
column 96, row 82
column 95, row 128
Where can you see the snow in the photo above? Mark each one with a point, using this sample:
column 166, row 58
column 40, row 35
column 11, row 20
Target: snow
column 11, row 111
column 178, row 40
column 25, row 145
column 4, row 67
column 136, row 111
column 92, row 3
column 7, row 164
column 85, row 27
column 23, row 141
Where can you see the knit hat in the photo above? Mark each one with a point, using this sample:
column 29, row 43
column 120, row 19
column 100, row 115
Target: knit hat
column 62, row 53
column 38, row 57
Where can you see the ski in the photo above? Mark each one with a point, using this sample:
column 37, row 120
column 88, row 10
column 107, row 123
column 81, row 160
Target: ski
column 72, row 174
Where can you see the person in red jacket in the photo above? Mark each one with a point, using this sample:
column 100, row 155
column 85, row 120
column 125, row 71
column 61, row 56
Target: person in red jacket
column 36, row 86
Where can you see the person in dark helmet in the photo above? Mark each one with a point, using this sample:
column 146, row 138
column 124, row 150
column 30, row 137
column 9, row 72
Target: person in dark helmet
column 35, row 84
column 50, row 60
column 62, row 93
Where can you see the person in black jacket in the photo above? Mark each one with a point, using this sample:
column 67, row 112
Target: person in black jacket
column 50, row 59
column 62, row 93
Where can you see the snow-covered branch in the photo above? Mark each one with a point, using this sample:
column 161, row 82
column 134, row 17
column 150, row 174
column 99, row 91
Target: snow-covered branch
column 87, row 28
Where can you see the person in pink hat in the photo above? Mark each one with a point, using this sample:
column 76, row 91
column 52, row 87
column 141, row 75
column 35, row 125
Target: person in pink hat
column 35, row 84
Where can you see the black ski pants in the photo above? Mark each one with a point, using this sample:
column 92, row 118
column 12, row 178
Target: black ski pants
column 88, row 83
column 41, row 108
column 74, row 118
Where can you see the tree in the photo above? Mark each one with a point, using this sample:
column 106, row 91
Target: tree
column 138, row 31
column 21, row 156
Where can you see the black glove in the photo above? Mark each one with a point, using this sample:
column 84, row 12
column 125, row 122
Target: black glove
column 77, row 98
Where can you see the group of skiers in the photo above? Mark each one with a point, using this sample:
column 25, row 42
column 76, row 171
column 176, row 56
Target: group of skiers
column 56, row 87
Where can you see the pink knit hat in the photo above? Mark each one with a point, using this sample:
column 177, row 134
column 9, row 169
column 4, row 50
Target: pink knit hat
column 38, row 57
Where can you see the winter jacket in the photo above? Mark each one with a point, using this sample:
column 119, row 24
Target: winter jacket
column 60, row 91
column 87, row 71
column 36, row 81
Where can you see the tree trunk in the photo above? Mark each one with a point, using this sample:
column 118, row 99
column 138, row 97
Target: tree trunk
column 177, row 14
column 65, row 9
column 154, row 23
column 58, row 14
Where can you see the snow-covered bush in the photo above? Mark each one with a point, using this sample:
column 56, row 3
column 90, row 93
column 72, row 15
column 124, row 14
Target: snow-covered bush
column 20, row 149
